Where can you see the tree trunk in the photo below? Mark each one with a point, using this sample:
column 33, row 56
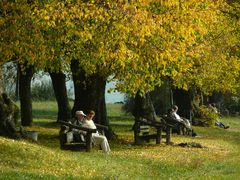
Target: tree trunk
column 182, row 99
column 17, row 86
column 90, row 95
column 25, row 96
column 60, row 91
column 143, row 107
column 8, row 114
column 162, row 98
column 195, row 105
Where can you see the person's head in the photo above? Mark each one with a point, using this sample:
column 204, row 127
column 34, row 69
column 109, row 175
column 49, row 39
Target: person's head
column 90, row 115
column 175, row 108
column 80, row 115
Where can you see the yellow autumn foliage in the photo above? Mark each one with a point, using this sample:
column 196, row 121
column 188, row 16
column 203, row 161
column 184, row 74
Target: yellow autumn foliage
column 139, row 42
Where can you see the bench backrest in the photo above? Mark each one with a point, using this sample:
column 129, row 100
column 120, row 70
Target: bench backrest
column 70, row 125
column 144, row 130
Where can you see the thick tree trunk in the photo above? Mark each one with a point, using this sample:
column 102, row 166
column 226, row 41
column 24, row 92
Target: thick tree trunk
column 90, row 95
column 143, row 107
column 162, row 98
column 182, row 99
column 8, row 114
column 60, row 90
column 17, row 86
column 25, row 96
column 195, row 105
column 82, row 90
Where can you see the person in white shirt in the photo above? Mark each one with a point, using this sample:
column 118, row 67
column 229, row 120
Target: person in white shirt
column 183, row 121
column 96, row 137
column 179, row 119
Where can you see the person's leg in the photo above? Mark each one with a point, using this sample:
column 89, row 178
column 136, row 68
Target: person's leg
column 187, row 123
column 218, row 124
column 102, row 141
column 105, row 145
column 221, row 125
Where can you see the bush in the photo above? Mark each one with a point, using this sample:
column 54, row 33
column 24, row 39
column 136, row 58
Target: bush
column 207, row 115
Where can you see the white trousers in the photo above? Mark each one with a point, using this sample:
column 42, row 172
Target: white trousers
column 102, row 141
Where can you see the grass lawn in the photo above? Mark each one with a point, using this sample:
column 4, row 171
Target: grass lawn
column 24, row 159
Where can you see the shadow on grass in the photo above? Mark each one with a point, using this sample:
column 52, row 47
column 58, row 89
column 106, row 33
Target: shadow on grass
column 49, row 140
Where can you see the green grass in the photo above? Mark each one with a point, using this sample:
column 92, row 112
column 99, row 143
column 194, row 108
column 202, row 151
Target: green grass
column 25, row 159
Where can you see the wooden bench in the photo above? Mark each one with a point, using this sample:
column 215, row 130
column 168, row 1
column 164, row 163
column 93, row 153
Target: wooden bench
column 69, row 143
column 142, row 131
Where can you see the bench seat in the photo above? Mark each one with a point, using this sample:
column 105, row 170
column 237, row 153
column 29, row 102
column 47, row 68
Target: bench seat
column 145, row 130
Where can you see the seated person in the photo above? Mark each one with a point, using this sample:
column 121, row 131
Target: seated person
column 96, row 137
column 218, row 123
column 171, row 120
column 179, row 119
column 78, row 135
column 174, row 117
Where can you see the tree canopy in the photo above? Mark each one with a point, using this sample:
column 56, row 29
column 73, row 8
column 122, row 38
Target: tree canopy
column 137, row 42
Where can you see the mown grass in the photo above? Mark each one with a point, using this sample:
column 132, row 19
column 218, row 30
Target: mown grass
column 24, row 159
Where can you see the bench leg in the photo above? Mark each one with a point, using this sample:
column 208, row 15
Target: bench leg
column 168, row 135
column 159, row 136
column 136, row 137
column 89, row 142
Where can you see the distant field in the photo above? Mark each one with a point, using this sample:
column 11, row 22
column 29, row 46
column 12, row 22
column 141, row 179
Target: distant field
column 24, row 159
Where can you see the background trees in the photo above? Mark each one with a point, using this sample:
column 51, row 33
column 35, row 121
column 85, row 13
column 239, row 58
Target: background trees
column 139, row 43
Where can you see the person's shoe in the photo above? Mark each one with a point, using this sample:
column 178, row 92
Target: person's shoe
column 226, row 127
